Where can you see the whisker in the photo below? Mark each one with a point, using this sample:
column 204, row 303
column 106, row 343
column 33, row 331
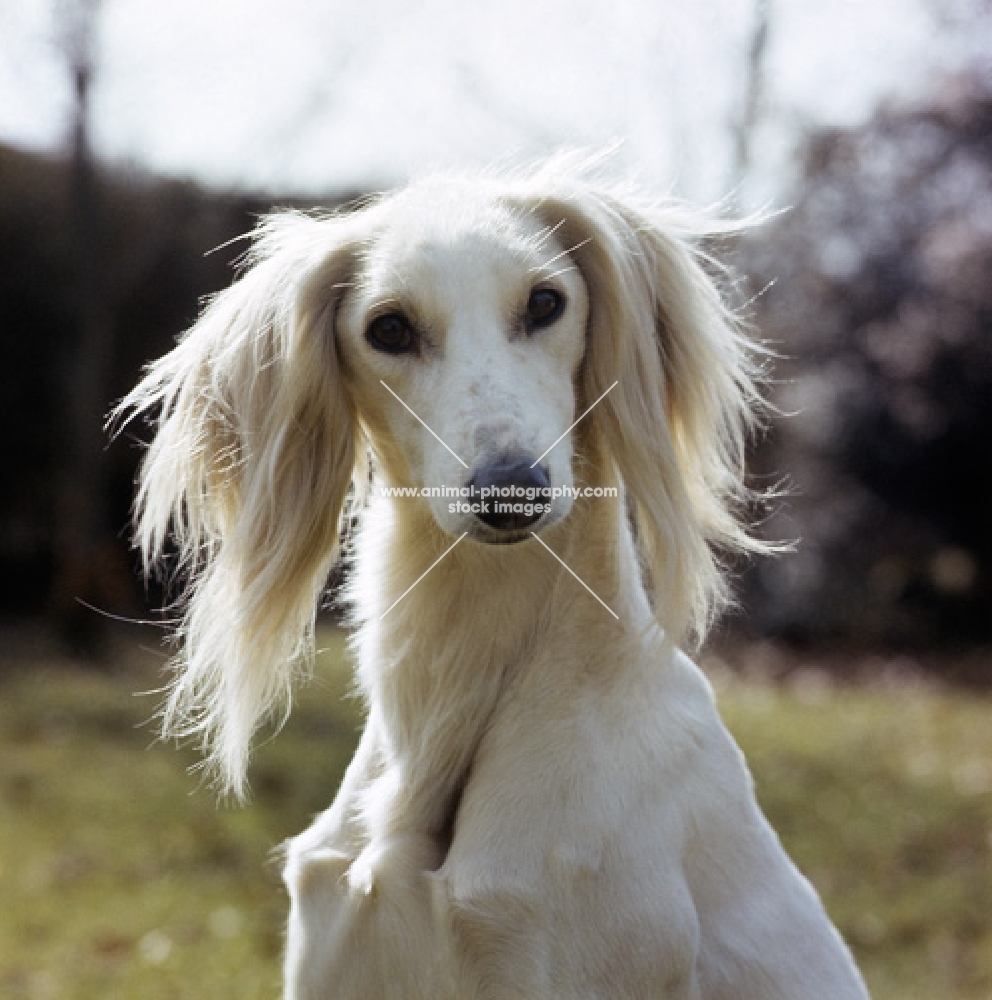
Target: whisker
column 389, row 302
column 564, row 253
column 227, row 243
column 545, row 234
column 560, row 271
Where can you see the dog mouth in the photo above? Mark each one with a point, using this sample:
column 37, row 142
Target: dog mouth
column 511, row 530
column 491, row 536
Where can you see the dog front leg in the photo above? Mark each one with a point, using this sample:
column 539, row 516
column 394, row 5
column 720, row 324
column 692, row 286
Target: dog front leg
column 352, row 938
column 362, row 920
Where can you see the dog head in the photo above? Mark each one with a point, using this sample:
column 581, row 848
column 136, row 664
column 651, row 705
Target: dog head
column 460, row 339
column 458, row 330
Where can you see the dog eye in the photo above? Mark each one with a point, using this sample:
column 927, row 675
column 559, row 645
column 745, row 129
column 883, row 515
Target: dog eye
column 544, row 307
column 391, row 334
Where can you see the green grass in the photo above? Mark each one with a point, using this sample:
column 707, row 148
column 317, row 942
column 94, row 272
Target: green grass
column 121, row 877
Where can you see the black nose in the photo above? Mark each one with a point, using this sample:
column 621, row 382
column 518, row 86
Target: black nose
column 509, row 488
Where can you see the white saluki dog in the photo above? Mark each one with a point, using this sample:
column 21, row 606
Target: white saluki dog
column 544, row 803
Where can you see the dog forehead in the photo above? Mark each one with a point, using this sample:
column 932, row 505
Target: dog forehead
column 447, row 234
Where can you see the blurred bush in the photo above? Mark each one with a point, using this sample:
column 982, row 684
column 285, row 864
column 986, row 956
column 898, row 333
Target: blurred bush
column 140, row 270
column 878, row 293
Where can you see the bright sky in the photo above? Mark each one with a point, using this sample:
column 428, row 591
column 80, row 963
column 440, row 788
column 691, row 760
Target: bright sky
column 310, row 97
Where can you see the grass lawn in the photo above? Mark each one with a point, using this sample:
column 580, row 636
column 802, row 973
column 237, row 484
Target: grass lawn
column 121, row 878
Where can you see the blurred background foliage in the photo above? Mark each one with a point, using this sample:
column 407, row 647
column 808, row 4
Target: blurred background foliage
column 873, row 287
column 878, row 292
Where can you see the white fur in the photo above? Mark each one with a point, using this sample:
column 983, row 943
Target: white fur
column 544, row 802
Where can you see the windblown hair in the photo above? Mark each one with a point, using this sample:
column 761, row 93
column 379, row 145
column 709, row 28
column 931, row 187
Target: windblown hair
column 257, row 441
column 689, row 387
column 249, row 470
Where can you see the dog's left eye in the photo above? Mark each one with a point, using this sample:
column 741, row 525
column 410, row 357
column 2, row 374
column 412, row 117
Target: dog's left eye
column 544, row 307
column 391, row 334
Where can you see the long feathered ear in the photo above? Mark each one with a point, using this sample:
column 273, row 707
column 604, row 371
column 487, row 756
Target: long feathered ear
column 688, row 393
column 249, row 470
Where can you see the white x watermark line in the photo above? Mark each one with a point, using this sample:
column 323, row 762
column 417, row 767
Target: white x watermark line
column 584, row 584
column 428, row 428
column 533, row 533
column 584, row 415
column 422, row 575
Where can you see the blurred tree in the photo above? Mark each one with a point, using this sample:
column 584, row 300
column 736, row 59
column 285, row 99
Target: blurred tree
column 87, row 562
column 882, row 305
column 752, row 91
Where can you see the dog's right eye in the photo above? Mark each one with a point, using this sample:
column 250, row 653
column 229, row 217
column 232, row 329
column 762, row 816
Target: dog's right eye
column 391, row 334
column 544, row 307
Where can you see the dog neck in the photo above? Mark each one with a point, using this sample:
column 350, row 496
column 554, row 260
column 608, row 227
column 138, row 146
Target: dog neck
column 449, row 629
